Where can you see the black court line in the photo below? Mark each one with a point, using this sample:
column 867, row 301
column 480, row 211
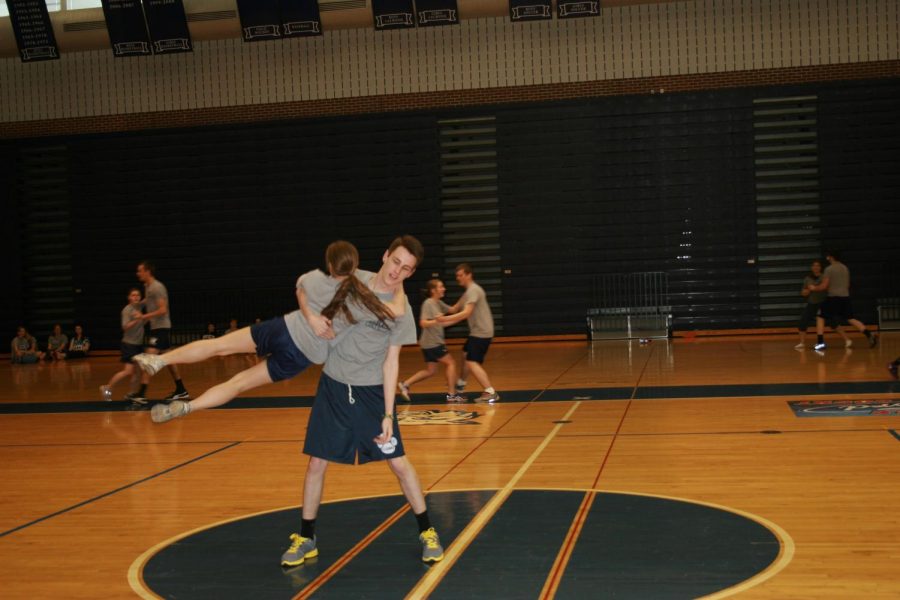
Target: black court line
column 894, row 433
column 116, row 491
column 635, row 392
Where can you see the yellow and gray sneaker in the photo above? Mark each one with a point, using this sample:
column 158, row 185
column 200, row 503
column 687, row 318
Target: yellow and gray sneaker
column 432, row 551
column 149, row 363
column 160, row 413
column 301, row 549
column 404, row 391
column 106, row 393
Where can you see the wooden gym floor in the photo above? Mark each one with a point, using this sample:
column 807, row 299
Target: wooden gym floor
column 675, row 469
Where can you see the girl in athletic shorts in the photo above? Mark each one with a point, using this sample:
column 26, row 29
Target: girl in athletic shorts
column 288, row 344
column 132, row 342
column 432, row 343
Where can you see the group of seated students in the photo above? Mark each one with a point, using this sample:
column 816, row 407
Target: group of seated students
column 24, row 347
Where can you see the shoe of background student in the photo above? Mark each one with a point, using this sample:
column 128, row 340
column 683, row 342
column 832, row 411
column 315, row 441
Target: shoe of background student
column 490, row 398
column 160, row 413
column 176, row 395
column 456, row 398
column 460, row 387
column 432, row 551
column 149, row 363
column 136, row 398
column 892, row 369
column 301, row 549
column 848, row 343
column 819, row 347
column 873, row 340
column 799, row 346
column 404, row 391
column 106, row 393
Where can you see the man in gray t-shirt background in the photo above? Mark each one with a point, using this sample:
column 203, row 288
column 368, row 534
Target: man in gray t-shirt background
column 156, row 302
column 474, row 307
column 837, row 306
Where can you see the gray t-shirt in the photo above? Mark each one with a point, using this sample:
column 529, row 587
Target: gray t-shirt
column 133, row 335
column 319, row 289
column 814, row 297
column 22, row 344
column 432, row 337
column 57, row 342
column 154, row 293
column 357, row 357
column 481, row 322
column 838, row 279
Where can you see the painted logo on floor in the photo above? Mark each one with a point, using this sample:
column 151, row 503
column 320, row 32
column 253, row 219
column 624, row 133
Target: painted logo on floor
column 438, row 417
column 845, row 408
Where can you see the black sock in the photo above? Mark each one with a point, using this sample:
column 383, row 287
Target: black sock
column 307, row 527
column 424, row 521
column 867, row 333
column 142, row 391
column 179, row 387
column 820, row 339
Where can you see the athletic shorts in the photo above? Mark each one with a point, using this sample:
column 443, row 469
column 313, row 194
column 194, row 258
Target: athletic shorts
column 344, row 421
column 836, row 309
column 434, row 354
column 273, row 341
column 810, row 312
column 129, row 351
column 159, row 339
column 476, row 348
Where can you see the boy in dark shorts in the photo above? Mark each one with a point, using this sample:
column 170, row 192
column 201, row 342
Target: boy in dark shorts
column 353, row 413
column 837, row 306
column 474, row 307
column 156, row 301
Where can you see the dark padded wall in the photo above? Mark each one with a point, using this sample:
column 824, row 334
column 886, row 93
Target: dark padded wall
column 859, row 138
column 231, row 215
column 621, row 185
column 11, row 308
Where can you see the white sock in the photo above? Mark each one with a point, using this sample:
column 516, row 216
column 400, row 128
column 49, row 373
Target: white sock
column 488, row 390
column 461, row 382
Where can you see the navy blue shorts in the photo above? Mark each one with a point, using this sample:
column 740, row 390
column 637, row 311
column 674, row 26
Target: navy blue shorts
column 476, row 348
column 345, row 420
column 434, row 354
column 159, row 339
column 836, row 309
column 273, row 341
column 129, row 351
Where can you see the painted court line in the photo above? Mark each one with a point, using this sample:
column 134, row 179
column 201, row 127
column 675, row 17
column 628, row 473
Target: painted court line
column 117, row 490
column 427, row 584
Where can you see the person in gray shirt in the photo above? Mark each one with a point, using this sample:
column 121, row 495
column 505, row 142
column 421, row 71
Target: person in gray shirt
column 288, row 344
column 23, row 349
column 56, row 343
column 812, row 311
column 837, row 306
column 352, row 418
column 132, row 343
column 156, row 301
column 473, row 306
column 432, row 343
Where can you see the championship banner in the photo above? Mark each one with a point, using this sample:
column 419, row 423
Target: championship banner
column 568, row 9
column 127, row 28
column 393, row 14
column 168, row 26
column 431, row 13
column 33, row 30
column 530, row 10
column 260, row 20
column 300, row 18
